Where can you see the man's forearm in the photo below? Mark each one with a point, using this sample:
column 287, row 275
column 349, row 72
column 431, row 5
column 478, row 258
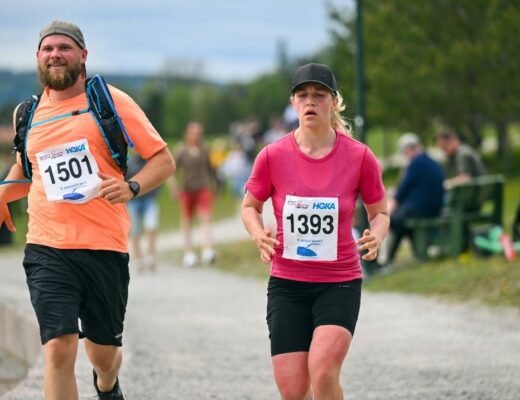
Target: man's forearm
column 156, row 171
column 14, row 191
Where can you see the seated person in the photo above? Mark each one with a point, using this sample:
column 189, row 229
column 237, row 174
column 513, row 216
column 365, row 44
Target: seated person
column 463, row 163
column 420, row 193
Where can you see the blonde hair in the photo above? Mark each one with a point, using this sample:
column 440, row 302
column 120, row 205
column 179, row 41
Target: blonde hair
column 337, row 121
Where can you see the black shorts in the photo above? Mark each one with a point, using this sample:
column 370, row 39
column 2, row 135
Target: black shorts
column 295, row 309
column 67, row 285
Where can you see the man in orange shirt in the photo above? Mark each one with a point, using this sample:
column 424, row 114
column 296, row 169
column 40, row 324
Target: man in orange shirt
column 76, row 257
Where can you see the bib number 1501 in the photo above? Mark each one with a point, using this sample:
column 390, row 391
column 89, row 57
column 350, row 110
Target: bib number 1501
column 67, row 169
column 313, row 223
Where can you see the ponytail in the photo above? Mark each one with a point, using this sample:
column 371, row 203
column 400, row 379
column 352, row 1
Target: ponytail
column 338, row 122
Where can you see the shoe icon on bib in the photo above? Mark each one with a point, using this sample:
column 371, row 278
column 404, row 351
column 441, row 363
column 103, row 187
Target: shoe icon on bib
column 305, row 251
column 73, row 196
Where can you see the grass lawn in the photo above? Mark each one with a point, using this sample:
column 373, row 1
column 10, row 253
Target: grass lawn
column 492, row 281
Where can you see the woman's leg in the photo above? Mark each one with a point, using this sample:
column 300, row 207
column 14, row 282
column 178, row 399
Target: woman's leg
column 292, row 375
column 329, row 346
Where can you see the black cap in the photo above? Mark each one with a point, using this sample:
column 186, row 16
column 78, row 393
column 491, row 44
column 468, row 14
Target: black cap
column 317, row 73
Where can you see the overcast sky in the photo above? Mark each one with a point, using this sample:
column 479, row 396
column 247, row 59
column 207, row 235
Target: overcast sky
column 231, row 39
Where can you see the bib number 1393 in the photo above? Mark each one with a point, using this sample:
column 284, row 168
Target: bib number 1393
column 310, row 228
column 314, row 224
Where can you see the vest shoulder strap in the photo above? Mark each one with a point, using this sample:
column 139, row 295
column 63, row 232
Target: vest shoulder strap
column 102, row 107
column 23, row 120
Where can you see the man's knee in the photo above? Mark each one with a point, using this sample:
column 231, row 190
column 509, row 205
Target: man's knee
column 61, row 352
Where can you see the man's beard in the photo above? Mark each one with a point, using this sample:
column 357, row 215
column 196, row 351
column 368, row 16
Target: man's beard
column 59, row 80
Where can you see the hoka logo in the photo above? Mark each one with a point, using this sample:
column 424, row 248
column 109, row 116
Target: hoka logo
column 75, row 149
column 324, row 206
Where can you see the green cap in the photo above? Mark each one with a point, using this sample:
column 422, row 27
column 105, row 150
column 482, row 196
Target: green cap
column 63, row 28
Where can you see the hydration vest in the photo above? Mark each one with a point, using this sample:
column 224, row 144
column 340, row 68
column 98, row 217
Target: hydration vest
column 100, row 105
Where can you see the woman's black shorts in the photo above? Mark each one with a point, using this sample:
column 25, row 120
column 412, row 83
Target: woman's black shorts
column 295, row 309
column 65, row 285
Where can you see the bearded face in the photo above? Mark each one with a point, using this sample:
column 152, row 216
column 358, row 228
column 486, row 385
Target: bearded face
column 58, row 74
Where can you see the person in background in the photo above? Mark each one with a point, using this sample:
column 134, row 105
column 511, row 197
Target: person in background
column 76, row 256
column 290, row 118
column 195, row 193
column 236, row 169
column 420, row 194
column 313, row 176
column 144, row 214
column 275, row 131
column 463, row 163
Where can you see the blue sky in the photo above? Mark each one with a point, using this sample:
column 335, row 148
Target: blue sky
column 228, row 40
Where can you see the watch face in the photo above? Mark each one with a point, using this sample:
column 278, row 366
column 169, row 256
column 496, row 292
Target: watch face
column 134, row 187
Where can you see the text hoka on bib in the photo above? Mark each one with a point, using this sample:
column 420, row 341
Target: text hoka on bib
column 69, row 173
column 310, row 228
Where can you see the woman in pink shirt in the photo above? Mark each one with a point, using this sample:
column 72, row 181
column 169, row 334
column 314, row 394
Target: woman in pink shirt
column 313, row 176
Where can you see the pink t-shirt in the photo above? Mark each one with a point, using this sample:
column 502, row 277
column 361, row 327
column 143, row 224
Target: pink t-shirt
column 281, row 170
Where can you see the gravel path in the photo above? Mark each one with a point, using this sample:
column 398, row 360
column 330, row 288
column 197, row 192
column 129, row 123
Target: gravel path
column 200, row 334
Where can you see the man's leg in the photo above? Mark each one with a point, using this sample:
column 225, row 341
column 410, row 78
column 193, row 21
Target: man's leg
column 205, row 204
column 151, row 224
column 398, row 230
column 59, row 379
column 106, row 361
column 134, row 209
column 152, row 253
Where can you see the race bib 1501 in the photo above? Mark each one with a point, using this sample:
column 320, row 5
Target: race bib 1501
column 310, row 228
column 69, row 173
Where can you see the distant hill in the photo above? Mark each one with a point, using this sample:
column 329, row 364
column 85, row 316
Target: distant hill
column 17, row 86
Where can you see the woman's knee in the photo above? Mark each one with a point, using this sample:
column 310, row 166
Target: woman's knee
column 294, row 391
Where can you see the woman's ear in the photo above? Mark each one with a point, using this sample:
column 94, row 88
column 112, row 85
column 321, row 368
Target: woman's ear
column 334, row 101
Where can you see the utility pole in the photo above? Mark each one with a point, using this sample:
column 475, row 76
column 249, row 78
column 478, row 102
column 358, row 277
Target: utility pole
column 360, row 120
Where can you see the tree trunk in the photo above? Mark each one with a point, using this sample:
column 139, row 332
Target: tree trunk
column 504, row 150
column 475, row 138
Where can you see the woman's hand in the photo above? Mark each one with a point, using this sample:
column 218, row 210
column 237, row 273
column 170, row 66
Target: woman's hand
column 370, row 243
column 265, row 244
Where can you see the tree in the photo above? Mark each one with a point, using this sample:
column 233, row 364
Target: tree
column 454, row 59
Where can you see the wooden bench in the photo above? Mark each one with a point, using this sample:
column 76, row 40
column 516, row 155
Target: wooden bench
column 479, row 201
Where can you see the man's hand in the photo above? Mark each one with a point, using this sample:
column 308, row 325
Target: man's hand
column 114, row 190
column 5, row 216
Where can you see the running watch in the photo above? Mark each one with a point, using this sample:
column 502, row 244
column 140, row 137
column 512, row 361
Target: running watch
column 134, row 187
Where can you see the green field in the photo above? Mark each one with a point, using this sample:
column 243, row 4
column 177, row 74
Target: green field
column 492, row 281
